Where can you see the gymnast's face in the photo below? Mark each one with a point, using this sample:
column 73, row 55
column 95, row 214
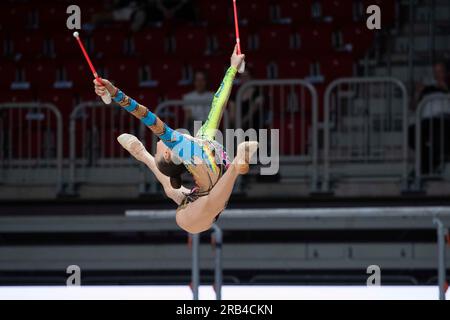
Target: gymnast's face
column 162, row 152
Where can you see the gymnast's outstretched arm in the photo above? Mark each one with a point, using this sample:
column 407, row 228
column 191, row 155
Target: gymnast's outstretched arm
column 170, row 137
column 220, row 101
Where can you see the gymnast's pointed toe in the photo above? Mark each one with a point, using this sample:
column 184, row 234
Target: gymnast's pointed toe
column 123, row 138
column 126, row 139
column 132, row 145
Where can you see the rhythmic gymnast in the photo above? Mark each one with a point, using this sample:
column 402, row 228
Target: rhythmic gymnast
column 201, row 156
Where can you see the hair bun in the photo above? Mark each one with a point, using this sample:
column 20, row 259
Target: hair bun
column 175, row 182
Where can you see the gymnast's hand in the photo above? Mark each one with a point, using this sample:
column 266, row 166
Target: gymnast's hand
column 237, row 59
column 100, row 88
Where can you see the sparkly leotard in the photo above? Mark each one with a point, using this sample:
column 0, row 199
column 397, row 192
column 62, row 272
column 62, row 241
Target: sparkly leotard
column 204, row 158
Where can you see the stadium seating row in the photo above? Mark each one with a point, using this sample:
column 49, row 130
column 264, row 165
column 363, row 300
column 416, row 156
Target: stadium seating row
column 26, row 14
column 164, row 73
column 155, row 43
column 320, row 39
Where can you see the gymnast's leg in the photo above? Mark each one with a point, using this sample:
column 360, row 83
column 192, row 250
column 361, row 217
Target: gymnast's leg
column 137, row 150
column 198, row 216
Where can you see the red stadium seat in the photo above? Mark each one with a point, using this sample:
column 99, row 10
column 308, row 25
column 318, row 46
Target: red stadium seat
column 5, row 44
column 86, row 95
column 214, row 66
column 293, row 68
column 258, row 66
column 30, row 141
column 16, row 96
column 14, row 16
column 273, row 39
column 288, row 99
column 340, row 10
column 78, row 72
column 316, row 40
column 41, row 74
column 108, row 145
column 359, row 37
column 150, row 43
column 63, row 99
column 254, row 11
column 215, row 12
column 123, row 72
column 298, row 10
column 191, row 41
column 337, row 66
column 167, row 72
column 52, row 14
column 28, row 44
column 176, row 93
column 294, row 133
column 64, row 45
column 225, row 39
column 108, row 43
column 8, row 75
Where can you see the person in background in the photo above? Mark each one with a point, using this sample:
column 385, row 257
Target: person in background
column 162, row 10
column 197, row 101
column 439, row 84
column 143, row 12
column 123, row 11
column 435, row 122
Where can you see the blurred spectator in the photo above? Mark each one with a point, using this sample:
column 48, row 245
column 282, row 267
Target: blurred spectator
column 435, row 122
column 142, row 12
column 439, row 84
column 161, row 10
column 201, row 99
column 124, row 11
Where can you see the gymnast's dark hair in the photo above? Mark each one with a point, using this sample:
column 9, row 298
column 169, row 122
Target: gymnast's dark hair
column 172, row 170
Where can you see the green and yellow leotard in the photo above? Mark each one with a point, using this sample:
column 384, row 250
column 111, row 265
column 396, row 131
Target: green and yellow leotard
column 203, row 157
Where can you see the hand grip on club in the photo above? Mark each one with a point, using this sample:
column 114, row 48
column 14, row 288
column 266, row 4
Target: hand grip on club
column 238, row 38
column 242, row 66
column 107, row 96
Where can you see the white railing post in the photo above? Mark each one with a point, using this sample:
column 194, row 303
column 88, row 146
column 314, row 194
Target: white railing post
column 59, row 135
column 441, row 244
column 313, row 153
column 327, row 113
column 217, row 242
column 428, row 102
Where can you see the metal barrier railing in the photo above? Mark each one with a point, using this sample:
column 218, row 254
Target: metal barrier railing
column 432, row 126
column 31, row 137
column 289, row 105
column 217, row 242
column 93, row 131
column 442, row 236
column 429, row 218
column 365, row 123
